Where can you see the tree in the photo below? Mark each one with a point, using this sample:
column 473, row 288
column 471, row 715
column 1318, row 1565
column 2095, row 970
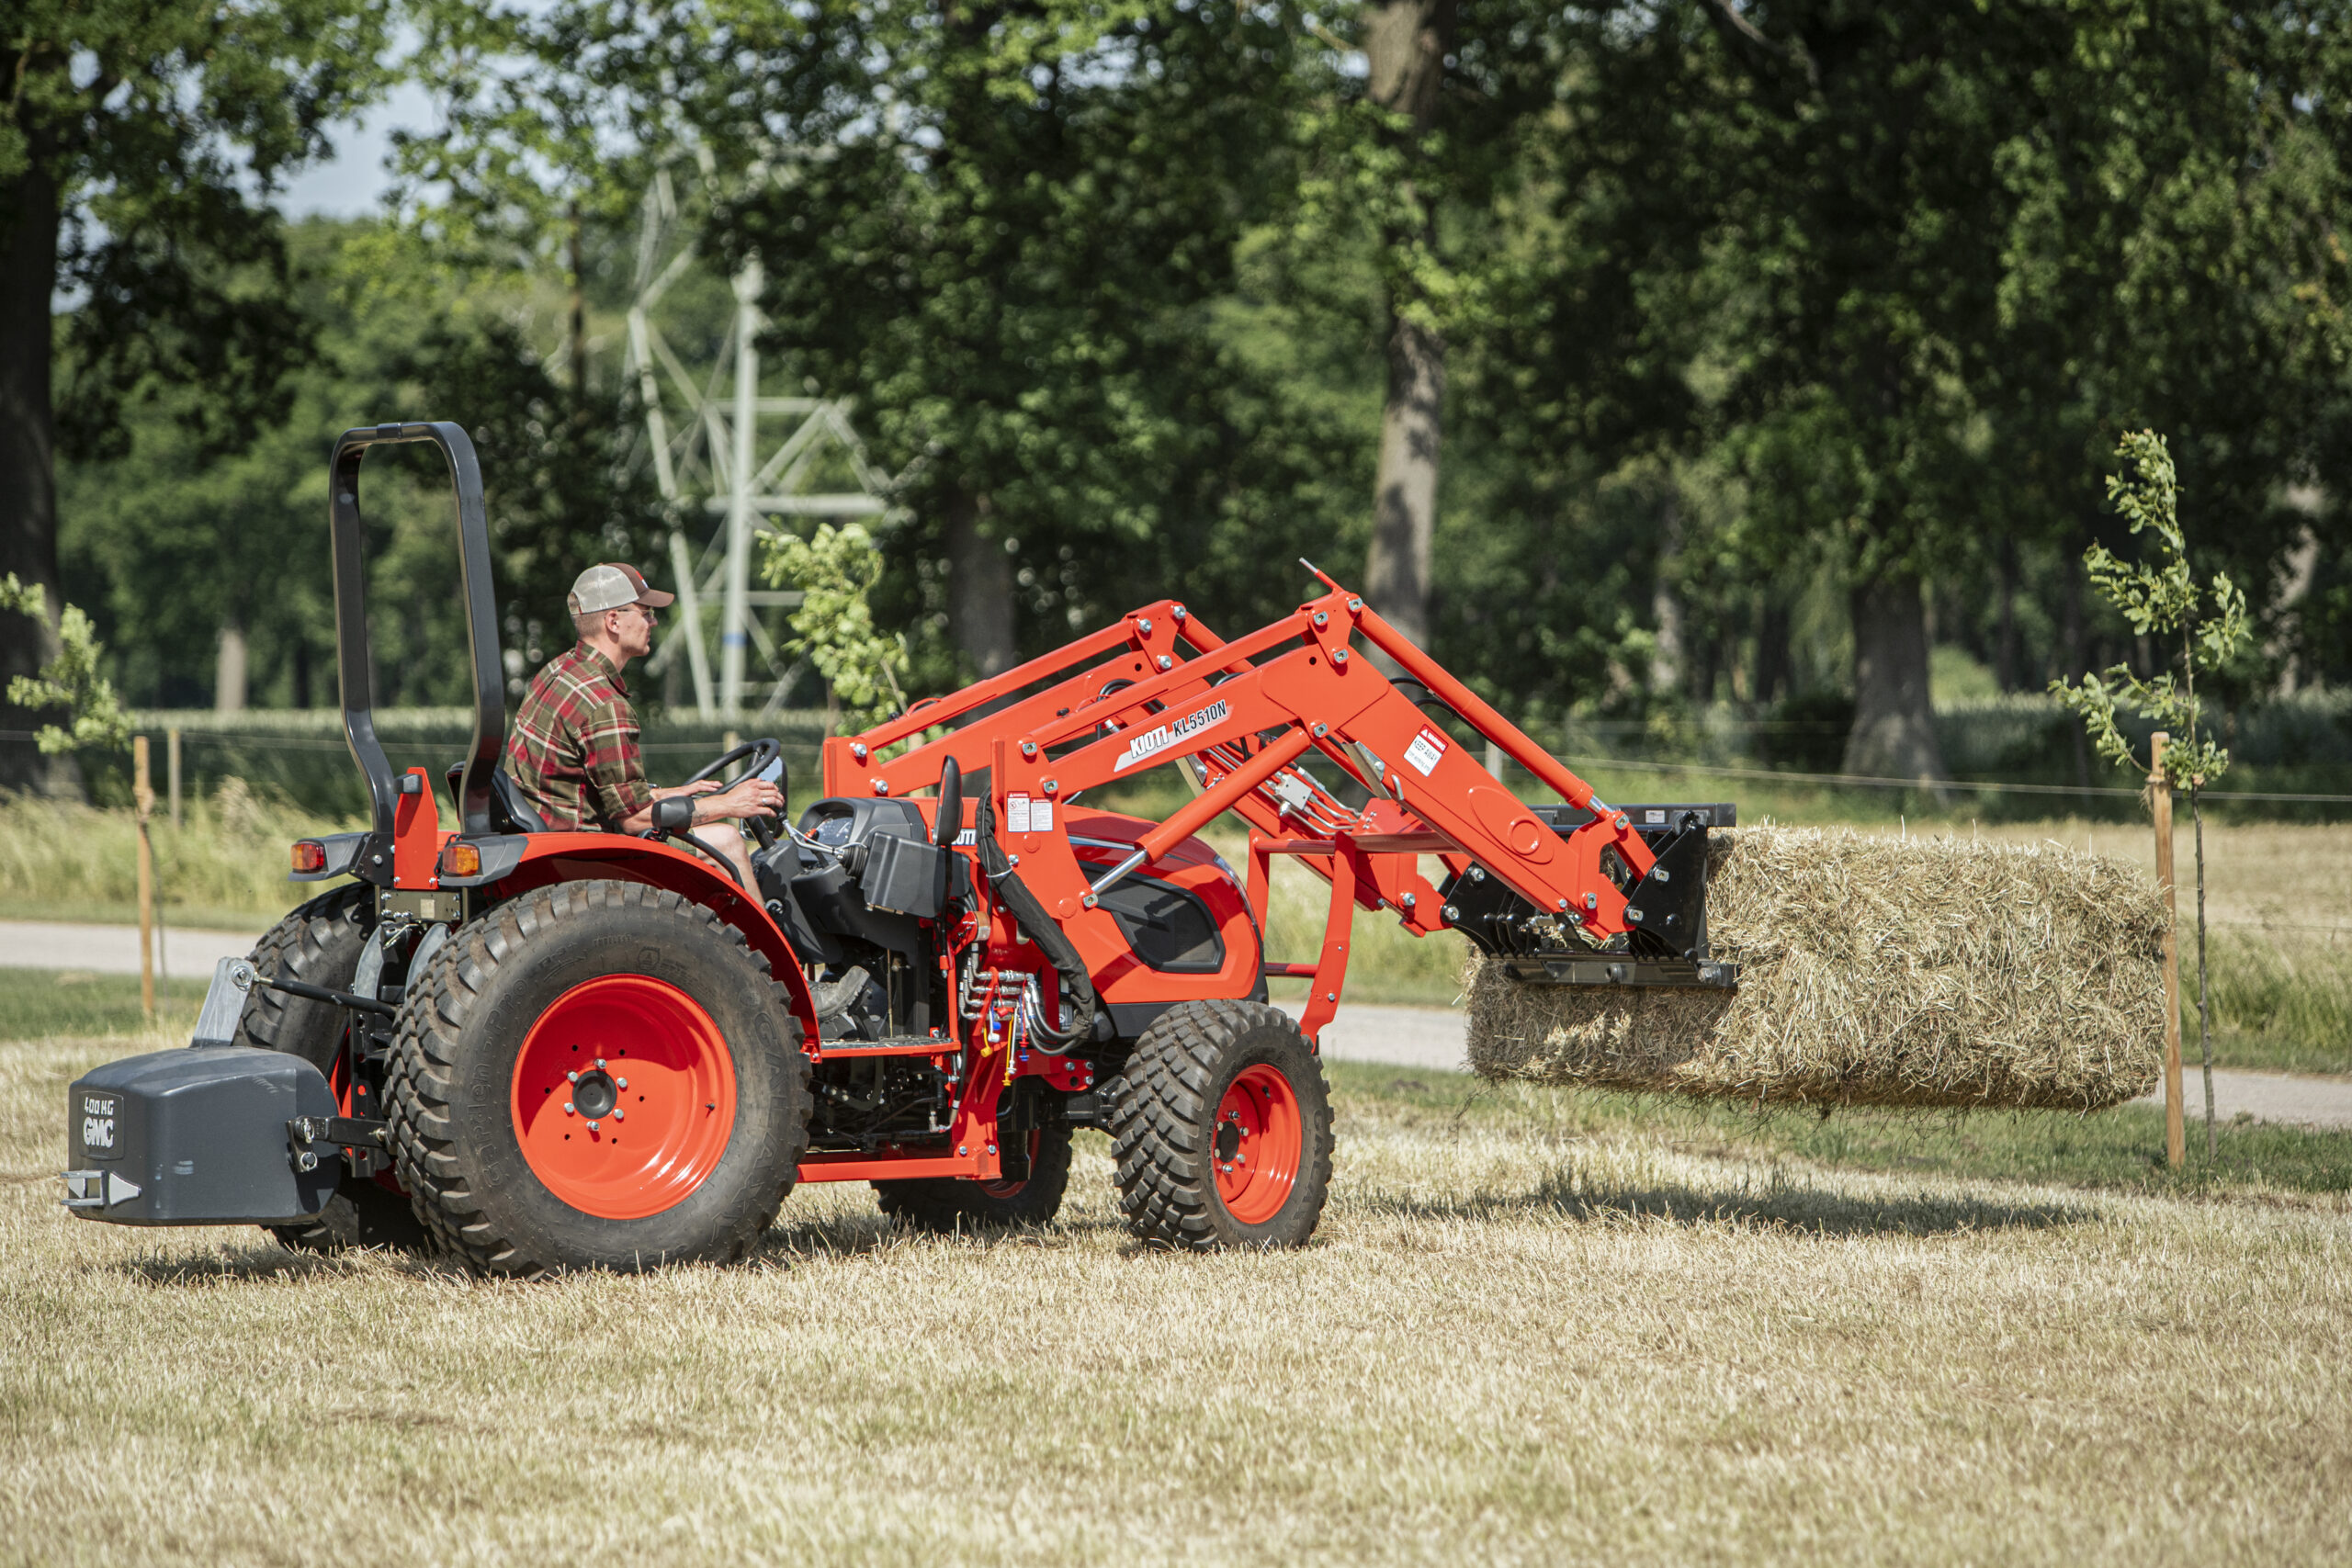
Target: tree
column 834, row 625
column 136, row 137
column 70, row 682
column 999, row 228
column 2163, row 599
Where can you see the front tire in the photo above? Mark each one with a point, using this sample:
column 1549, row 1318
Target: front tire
column 536, row 1034
column 1221, row 1125
column 321, row 943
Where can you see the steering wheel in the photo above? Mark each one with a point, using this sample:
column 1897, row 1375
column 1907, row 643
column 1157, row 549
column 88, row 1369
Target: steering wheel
column 761, row 752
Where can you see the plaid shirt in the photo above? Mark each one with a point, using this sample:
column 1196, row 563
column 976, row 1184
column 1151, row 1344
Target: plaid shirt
column 574, row 753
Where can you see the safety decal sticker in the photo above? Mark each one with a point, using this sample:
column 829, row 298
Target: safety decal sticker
column 1426, row 749
column 1153, row 741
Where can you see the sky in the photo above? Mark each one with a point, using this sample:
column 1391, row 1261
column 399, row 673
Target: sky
column 354, row 180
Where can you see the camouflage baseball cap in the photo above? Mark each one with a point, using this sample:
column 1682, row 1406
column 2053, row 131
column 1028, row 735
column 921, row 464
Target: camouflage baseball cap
column 608, row 587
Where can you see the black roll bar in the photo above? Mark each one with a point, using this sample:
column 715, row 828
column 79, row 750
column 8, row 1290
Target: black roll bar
column 352, row 665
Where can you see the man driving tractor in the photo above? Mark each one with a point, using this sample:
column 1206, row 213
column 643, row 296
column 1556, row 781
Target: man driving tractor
column 574, row 753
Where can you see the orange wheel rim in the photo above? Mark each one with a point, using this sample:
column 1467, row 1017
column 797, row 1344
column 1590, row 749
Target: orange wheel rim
column 1258, row 1141
column 624, row 1097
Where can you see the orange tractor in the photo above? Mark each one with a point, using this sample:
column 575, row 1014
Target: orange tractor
column 538, row 1050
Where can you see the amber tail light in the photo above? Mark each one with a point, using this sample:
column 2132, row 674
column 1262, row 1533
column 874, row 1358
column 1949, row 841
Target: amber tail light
column 310, row 855
column 461, row 859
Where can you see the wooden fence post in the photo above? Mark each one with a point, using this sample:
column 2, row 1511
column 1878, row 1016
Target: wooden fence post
column 143, row 794
column 2160, row 802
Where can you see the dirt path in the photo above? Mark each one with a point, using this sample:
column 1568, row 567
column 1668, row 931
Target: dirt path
column 1431, row 1039
column 113, row 949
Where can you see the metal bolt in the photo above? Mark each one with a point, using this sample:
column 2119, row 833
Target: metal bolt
column 1330, row 996
column 567, row 1110
column 1562, row 904
column 1409, row 900
column 1322, row 729
column 571, row 1077
column 881, row 786
column 1452, row 914
column 620, row 1115
column 1634, row 916
column 1478, row 874
column 1321, row 619
column 622, row 1082
column 1354, row 605
column 1166, row 662
column 1051, row 786
column 961, row 1152
column 991, row 1148
column 1028, row 747
column 858, row 751
column 1143, row 625
column 1592, row 901
column 1088, row 900
column 592, row 1126
column 1177, row 612
column 600, row 1064
column 1338, row 656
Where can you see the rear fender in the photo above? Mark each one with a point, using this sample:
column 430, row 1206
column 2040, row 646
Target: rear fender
column 549, row 858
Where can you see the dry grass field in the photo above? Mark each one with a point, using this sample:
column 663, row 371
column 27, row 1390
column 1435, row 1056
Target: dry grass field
column 1529, row 1332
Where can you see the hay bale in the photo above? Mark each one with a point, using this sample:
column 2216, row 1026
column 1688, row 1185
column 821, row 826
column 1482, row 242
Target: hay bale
column 1918, row 972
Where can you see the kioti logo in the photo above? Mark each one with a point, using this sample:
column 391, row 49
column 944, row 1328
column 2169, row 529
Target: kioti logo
column 1154, row 742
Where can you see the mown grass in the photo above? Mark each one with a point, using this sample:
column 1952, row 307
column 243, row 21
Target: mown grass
column 1530, row 1331
column 36, row 1004
column 2120, row 1150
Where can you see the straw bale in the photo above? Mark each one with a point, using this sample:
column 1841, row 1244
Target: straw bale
column 1873, row 971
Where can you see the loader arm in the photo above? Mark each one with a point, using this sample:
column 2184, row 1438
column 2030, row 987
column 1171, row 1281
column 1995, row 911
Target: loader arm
column 1160, row 687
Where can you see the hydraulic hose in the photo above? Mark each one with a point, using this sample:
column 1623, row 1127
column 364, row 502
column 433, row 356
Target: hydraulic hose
column 1078, row 987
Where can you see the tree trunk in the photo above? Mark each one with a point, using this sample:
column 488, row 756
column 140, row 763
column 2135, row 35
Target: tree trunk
column 2004, row 639
column 1406, row 43
column 2074, row 664
column 1666, row 662
column 1894, row 729
column 29, row 226
column 1773, row 675
column 980, row 590
column 229, row 671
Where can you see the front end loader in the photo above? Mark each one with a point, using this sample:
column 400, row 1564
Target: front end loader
column 534, row 1050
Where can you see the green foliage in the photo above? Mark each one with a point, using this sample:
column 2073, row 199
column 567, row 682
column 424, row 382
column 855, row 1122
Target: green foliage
column 2160, row 600
column 835, row 570
column 71, row 680
column 153, row 127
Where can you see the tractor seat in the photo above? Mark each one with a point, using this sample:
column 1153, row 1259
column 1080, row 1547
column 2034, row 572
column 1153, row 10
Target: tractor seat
column 508, row 812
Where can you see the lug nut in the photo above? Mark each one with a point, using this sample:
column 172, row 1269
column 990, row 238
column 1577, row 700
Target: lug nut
column 600, row 1064
column 1166, row 662
column 567, row 1110
column 621, row 1082
column 571, row 1077
column 592, row 1126
column 620, row 1115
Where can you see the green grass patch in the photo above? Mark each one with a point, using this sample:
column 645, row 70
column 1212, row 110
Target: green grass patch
column 36, row 1004
column 2120, row 1150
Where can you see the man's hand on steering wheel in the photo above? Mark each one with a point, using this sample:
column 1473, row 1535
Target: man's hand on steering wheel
column 748, row 796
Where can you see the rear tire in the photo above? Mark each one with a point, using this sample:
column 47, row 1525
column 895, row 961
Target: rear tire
column 321, row 943
column 950, row 1205
column 523, row 1030
column 1221, row 1126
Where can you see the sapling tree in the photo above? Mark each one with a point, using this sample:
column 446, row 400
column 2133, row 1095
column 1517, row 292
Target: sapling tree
column 835, row 570
column 2205, row 627
column 71, row 680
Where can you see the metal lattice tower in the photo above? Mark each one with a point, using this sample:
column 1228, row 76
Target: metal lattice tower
column 711, row 454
